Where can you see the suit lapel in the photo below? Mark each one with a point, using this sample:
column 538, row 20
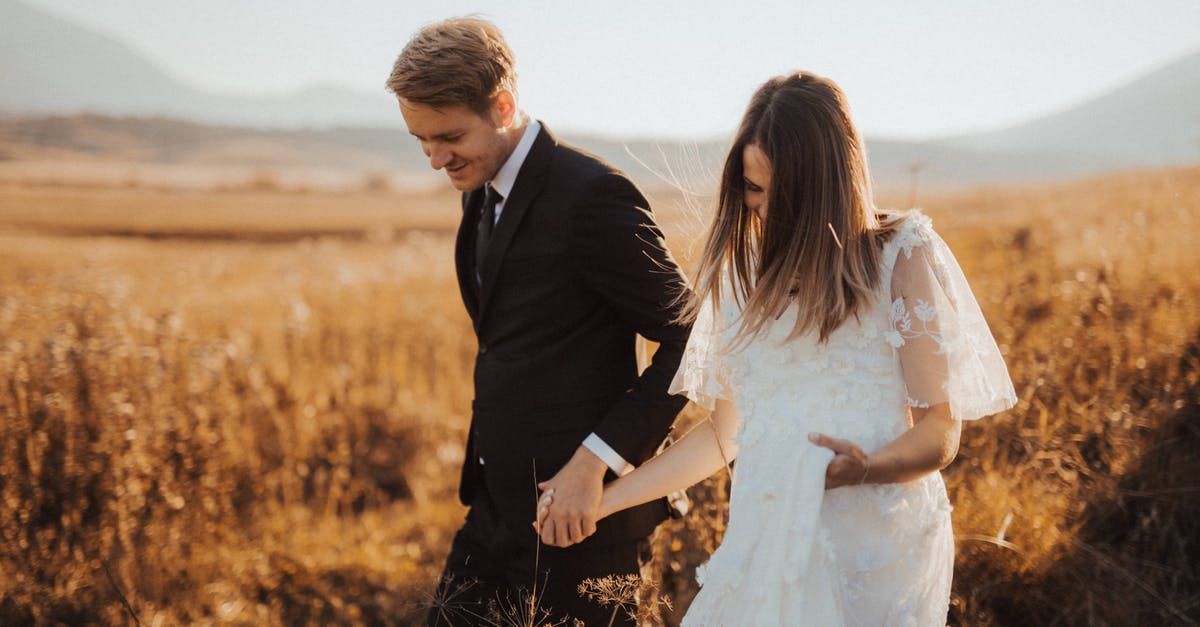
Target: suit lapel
column 464, row 253
column 530, row 181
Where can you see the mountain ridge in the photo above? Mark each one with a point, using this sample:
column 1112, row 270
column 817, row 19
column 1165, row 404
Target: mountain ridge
column 70, row 86
column 1149, row 121
column 94, row 73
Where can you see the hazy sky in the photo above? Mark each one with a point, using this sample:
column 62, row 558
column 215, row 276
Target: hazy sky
column 915, row 68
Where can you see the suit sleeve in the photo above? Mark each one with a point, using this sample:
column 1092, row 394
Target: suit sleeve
column 620, row 253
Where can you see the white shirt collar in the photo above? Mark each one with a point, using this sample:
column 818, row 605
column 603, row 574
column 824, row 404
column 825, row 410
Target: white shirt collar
column 506, row 178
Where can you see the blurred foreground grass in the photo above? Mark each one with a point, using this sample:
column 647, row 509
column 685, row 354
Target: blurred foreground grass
column 222, row 426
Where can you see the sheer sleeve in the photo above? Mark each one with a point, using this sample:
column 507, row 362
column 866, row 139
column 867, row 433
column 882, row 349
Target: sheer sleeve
column 703, row 374
column 947, row 352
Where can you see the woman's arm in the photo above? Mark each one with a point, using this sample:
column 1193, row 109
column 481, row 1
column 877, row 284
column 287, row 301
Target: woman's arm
column 705, row 449
column 702, row 451
column 930, row 445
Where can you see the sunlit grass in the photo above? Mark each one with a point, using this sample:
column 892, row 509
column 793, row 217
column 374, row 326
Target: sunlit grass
column 267, row 430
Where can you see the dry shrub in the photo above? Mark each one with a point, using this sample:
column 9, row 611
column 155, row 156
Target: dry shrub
column 167, row 457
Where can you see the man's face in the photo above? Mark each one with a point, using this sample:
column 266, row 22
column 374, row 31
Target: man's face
column 470, row 147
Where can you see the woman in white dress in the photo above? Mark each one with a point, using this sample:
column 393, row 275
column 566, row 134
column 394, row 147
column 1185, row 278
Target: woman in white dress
column 839, row 350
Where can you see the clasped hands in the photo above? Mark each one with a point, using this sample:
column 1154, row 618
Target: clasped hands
column 575, row 493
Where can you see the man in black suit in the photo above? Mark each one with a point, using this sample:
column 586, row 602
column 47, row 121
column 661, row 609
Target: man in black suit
column 561, row 265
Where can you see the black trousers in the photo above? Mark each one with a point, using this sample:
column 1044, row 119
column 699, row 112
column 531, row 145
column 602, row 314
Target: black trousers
column 491, row 579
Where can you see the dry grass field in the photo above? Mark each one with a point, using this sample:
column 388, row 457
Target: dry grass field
column 247, row 406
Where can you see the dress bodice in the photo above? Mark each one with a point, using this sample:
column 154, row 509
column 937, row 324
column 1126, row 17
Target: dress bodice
column 849, row 386
column 919, row 341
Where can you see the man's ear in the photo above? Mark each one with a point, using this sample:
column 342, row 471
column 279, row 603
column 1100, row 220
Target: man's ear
column 504, row 109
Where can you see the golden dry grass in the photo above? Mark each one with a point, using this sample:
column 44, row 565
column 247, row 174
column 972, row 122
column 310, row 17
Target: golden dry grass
column 248, row 407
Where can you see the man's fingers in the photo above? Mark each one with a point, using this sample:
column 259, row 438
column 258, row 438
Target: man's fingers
column 550, row 529
column 576, row 529
column 564, row 534
column 589, row 527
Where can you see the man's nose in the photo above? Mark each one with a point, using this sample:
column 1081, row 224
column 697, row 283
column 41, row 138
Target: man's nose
column 439, row 157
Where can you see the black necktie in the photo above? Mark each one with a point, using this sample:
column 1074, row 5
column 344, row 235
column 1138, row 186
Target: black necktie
column 483, row 232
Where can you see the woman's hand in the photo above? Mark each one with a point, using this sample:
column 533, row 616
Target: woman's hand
column 928, row 446
column 543, row 510
column 575, row 491
column 850, row 464
column 546, row 502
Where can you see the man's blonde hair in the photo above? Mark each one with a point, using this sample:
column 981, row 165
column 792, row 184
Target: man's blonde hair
column 459, row 61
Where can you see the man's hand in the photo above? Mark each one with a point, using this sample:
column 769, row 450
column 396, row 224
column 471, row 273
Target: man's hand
column 567, row 511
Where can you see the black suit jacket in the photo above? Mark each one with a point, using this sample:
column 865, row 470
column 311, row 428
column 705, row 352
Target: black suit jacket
column 575, row 268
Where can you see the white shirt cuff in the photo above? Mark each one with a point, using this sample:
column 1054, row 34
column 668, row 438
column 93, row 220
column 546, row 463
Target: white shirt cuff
column 607, row 455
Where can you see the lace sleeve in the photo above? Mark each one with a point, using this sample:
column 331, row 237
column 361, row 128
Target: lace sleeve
column 947, row 352
column 703, row 374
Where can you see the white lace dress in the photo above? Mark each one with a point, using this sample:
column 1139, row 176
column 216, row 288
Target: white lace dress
column 794, row 554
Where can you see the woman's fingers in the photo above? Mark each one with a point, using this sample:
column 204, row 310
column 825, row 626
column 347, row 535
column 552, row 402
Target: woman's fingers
column 552, row 533
column 835, row 472
column 847, row 463
column 543, row 509
column 840, row 464
column 843, row 470
column 820, row 439
column 834, row 444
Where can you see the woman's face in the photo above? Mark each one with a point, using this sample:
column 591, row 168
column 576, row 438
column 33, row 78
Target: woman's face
column 756, row 172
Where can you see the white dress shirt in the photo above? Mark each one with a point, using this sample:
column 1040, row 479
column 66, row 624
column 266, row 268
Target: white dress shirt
column 503, row 183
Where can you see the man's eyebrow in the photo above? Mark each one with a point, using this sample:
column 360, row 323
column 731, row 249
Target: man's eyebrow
column 441, row 136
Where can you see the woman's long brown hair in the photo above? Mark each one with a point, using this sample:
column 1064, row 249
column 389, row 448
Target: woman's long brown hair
column 819, row 247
